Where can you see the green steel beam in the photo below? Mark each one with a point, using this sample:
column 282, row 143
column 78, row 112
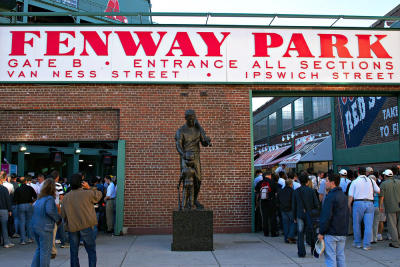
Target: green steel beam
column 198, row 14
column 119, row 219
column 385, row 152
column 253, row 204
column 333, row 133
column 398, row 126
column 75, row 160
column 21, row 162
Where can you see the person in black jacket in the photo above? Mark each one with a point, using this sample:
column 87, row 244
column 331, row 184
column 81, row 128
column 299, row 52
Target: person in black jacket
column 285, row 203
column 303, row 202
column 333, row 223
column 266, row 193
column 24, row 196
column 5, row 211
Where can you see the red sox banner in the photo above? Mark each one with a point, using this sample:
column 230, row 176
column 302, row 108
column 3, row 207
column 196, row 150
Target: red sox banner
column 197, row 54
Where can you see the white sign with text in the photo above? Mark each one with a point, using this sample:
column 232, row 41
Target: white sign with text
column 197, row 54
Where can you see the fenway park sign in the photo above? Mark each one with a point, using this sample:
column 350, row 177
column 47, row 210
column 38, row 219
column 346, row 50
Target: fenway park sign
column 203, row 54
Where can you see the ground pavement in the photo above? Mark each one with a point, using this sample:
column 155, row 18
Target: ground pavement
column 230, row 250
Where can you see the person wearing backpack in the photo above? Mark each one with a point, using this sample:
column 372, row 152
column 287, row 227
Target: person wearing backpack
column 266, row 194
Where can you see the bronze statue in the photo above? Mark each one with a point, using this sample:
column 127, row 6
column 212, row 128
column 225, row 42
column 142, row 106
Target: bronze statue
column 188, row 139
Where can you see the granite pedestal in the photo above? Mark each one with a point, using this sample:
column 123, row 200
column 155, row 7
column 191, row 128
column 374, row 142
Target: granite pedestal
column 192, row 230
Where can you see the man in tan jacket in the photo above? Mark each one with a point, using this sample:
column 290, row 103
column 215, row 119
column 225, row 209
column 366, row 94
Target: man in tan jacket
column 79, row 216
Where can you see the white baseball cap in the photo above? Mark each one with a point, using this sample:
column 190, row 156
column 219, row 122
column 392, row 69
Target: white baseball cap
column 388, row 173
column 343, row 172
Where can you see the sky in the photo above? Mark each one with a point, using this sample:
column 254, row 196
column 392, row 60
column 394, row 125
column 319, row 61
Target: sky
column 320, row 7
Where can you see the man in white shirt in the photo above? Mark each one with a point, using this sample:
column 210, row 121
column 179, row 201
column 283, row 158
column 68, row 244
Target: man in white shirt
column 281, row 169
column 282, row 179
column 110, row 203
column 362, row 192
column 344, row 182
column 322, row 186
column 39, row 184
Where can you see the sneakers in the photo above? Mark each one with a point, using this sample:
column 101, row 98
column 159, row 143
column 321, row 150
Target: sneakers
column 379, row 237
column 29, row 241
column 367, row 248
column 16, row 236
column 393, row 245
column 356, row 246
column 64, row 246
column 22, row 243
column 9, row 245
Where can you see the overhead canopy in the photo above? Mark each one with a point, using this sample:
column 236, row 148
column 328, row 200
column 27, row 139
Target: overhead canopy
column 269, row 156
column 317, row 150
column 277, row 161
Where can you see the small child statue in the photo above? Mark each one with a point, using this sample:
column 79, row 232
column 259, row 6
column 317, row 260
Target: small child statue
column 187, row 177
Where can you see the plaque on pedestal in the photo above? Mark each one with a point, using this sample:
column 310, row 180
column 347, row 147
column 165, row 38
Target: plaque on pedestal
column 192, row 230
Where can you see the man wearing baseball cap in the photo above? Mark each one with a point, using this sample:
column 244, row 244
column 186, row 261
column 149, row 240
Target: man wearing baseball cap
column 390, row 197
column 344, row 182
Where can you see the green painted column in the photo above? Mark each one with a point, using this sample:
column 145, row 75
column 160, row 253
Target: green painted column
column 25, row 18
column 119, row 220
column 75, row 166
column 398, row 120
column 21, row 163
column 333, row 134
column 8, row 152
column 253, row 204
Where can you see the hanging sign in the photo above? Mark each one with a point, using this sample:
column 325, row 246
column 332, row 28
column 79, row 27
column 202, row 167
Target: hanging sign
column 357, row 115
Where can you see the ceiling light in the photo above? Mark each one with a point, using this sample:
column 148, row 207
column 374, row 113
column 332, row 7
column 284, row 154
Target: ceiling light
column 22, row 148
column 81, row 160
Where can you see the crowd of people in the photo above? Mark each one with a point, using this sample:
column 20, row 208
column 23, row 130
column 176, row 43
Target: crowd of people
column 328, row 207
column 47, row 208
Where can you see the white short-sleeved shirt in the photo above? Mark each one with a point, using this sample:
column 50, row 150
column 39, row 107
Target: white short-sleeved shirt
column 363, row 188
column 9, row 187
column 281, row 181
column 280, row 169
column 296, row 185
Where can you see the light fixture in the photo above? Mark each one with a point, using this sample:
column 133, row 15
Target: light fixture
column 283, row 138
column 22, row 148
column 81, row 160
column 90, row 165
column 78, row 150
column 27, row 153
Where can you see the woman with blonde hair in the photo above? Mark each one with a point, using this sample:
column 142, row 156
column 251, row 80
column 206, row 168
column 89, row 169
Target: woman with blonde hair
column 45, row 215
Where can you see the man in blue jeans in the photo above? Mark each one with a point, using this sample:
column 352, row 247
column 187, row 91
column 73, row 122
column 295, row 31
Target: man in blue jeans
column 79, row 215
column 333, row 223
column 361, row 191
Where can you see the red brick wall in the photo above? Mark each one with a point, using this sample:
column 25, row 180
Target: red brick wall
column 58, row 125
column 149, row 116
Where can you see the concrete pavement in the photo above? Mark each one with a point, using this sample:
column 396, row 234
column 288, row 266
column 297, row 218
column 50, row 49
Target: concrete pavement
column 230, row 250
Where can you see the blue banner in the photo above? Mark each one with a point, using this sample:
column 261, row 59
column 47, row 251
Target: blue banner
column 357, row 115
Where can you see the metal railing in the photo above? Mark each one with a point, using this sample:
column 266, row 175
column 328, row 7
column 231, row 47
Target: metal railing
column 213, row 18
